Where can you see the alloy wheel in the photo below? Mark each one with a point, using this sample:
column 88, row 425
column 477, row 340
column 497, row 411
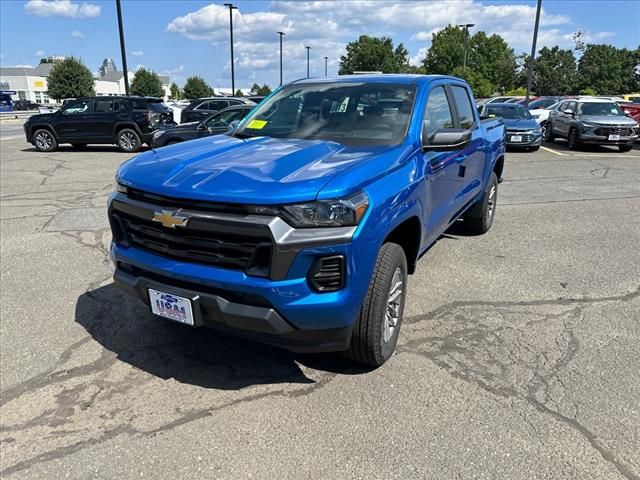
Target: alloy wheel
column 394, row 306
column 44, row 141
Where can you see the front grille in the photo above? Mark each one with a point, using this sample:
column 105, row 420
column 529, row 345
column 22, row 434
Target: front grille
column 623, row 131
column 203, row 240
column 526, row 137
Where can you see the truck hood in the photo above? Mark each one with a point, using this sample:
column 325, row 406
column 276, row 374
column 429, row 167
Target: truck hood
column 608, row 120
column 259, row 170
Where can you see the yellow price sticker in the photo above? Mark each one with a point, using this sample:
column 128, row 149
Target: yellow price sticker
column 257, row 124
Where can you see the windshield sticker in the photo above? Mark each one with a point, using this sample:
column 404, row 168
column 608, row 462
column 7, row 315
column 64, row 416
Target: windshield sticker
column 257, row 124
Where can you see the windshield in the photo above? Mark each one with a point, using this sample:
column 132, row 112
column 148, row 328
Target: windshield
column 349, row 113
column 542, row 103
column 515, row 112
column 600, row 108
column 156, row 106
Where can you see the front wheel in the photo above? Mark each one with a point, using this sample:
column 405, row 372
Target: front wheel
column 480, row 218
column 625, row 148
column 128, row 140
column 535, row 149
column 572, row 139
column 44, row 140
column 547, row 132
column 376, row 331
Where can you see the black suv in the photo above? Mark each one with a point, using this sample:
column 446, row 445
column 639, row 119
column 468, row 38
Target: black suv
column 202, row 108
column 124, row 121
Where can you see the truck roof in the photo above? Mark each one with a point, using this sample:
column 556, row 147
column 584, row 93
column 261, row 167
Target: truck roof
column 395, row 78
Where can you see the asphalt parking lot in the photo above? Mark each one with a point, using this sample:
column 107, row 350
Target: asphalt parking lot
column 518, row 358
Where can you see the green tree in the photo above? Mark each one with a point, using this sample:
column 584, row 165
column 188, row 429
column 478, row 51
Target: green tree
column 239, row 93
column 608, row 70
column 255, row 87
column 175, row 91
column 481, row 87
column 491, row 63
column 374, row 54
column 264, row 90
column 70, row 79
column 196, row 87
column 554, row 72
column 146, row 84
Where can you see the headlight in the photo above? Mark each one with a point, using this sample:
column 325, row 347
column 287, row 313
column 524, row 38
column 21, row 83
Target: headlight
column 118, row 187
column 327, row 213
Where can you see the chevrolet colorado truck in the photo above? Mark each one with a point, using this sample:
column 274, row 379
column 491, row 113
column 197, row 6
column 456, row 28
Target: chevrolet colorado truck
column 300, row 227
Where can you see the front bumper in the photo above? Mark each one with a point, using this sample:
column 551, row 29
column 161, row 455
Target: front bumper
column 604, row 139
column 528, row 139
column 260, row 323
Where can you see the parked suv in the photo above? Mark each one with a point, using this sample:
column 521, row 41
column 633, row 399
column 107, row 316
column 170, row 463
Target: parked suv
column 202, row 108
column 594, row 121
column 300, row 227
column 124, row 121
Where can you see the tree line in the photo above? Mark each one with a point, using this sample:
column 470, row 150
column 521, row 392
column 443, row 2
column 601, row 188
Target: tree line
column 492, row 66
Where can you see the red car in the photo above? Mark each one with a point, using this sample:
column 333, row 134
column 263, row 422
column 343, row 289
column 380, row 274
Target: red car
column 631, row 109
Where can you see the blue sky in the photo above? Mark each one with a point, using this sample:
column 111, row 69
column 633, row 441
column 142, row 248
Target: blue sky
column 181, row 38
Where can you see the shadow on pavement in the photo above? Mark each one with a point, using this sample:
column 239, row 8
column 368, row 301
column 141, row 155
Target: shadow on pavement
column 89, row 148
column 122, row 324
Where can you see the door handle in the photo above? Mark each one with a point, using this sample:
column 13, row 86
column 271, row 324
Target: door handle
column 460, row 158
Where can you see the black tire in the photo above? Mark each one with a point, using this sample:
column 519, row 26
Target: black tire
column 480, row 218
column 572, row 140
column 535, row 149
column 547, row 132
column 368, row 343
column 44, row 140
column 78, row 145
column 128, row 140
column 625, row 148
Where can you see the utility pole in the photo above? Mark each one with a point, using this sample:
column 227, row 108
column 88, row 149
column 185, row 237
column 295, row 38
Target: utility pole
column 533, row 52
column 123, row 50
column 308, row 48
column 466, row 27
column 325, row 65
column 281, row 35
column 233, row 79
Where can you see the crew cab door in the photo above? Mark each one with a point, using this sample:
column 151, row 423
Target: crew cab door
column 444, row 184
column 72, row 124
column 101, row 121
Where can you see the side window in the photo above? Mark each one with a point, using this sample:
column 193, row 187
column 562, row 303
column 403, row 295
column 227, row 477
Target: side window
column 103, row 106
column 463, row 104
column 79, row 107
column 573, row 106
column 437, row 114
column 203, row 106
column 218, row 104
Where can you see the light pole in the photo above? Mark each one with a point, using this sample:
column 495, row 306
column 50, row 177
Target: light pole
column 123, row 50
column 466, row 27
column 308, row 48
column 533, row 52
column 233, row 79
column 325, row 65
column 281, row 35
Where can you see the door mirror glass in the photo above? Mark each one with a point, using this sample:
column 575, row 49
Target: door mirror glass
column 568, row 111
column 447, row 139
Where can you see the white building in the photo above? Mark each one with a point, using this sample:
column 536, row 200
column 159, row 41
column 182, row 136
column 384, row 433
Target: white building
column 31, row 83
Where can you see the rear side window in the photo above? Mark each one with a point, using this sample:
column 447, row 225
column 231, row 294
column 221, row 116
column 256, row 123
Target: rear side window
column 139, row 104
column 103, row 106
column 464, row 106
column 156, row 106
column 437, row 114
column 218, row 104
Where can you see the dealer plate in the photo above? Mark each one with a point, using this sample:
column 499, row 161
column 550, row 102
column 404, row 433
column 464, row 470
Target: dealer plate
column 171, row 306
column 516, row 138
column 614, row 138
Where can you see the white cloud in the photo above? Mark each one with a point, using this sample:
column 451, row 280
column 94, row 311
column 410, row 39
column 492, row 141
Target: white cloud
column 61, row 8
column 23, row 65
column 38, row 53
column 417, row 59
column 174, row 71
column 77, row 34
column 137, row 53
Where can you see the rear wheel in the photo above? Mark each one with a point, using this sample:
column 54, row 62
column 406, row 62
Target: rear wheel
column 572, row 139
column 480, row 218
column 376, row 331
column 128, row 140
column 625, row 148
column 44, row 140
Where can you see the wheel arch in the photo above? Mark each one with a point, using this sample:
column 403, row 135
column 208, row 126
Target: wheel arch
column 408, row 235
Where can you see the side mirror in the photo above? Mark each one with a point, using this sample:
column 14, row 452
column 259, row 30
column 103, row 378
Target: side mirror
column 447, row 139
column 568, row 111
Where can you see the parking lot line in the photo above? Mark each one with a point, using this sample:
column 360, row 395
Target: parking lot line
column 554, row 151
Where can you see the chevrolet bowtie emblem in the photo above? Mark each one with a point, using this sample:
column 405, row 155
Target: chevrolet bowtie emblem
column 170, row 219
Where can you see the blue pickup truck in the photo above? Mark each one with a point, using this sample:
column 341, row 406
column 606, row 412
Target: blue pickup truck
column 299, row 228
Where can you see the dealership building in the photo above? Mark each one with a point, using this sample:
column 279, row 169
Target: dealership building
column 30, row 83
